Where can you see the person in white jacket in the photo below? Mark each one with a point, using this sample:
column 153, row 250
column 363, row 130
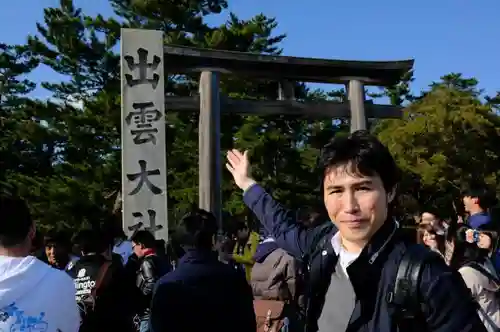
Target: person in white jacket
column 480, row 276
column 33, row 295
column 480, row 279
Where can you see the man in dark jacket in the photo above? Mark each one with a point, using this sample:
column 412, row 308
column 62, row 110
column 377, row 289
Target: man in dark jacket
column 478, row 200
column 102, row 280
column 202, row 293
column 353, row 263
column 151, row 269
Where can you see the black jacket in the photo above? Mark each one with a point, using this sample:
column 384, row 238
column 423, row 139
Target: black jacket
column 112, row 308
column 202, row 294
column 151, row 269
column 446, row 302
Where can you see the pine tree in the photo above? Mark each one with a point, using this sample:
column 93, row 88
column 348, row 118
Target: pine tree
column 21, row 153
column 83, row 48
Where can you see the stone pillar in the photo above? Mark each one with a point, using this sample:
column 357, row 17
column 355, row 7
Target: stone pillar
column 144, row 163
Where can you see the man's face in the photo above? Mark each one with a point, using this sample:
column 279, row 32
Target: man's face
column 469, row 202
column 54, row 252
column 138, row 249
column 356, row 204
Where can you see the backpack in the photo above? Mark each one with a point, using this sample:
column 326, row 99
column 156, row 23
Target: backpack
column 405, row 295
column 87, row 303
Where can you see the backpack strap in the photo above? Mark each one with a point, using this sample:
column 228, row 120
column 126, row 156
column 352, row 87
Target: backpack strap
column 483, row 271
column 100, row 277
column 405, row 296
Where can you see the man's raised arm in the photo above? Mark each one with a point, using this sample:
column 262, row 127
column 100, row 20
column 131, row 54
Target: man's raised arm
column 278, row 221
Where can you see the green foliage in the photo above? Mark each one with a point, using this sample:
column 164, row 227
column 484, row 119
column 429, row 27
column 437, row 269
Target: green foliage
column 84, row 162
column 400, row 93
column 446, row 140
column 63, row 154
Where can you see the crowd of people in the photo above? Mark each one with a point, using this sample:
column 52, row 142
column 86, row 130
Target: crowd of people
column 354, row 271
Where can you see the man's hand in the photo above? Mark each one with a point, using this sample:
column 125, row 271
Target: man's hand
column 239, row 166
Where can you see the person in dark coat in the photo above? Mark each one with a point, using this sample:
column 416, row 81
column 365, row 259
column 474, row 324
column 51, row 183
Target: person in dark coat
column 354, row 261
column 112, row 308
column 151, row 269
column 202, row 293
column 478, row 201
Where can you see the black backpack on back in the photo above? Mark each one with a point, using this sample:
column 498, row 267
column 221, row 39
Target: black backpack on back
column 405, row 295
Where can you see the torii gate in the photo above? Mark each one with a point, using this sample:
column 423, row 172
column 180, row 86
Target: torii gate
column 144, row 59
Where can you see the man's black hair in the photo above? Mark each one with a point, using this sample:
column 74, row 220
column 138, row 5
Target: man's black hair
column 61, row 238
column 145, row 238
column 15, row 221
column 486, row 197
column 89, row 241
column 196, row 230
column 363, row 154
column 113, row 227
column 438, row 212
column 107, row 234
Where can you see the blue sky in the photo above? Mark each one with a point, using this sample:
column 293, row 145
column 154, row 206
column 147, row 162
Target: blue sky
column 442, row 36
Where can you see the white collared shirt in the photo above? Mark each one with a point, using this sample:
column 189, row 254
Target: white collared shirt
column 345, row 258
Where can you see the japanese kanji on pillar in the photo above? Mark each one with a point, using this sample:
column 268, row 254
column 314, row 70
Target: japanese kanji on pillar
column 144, row 166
